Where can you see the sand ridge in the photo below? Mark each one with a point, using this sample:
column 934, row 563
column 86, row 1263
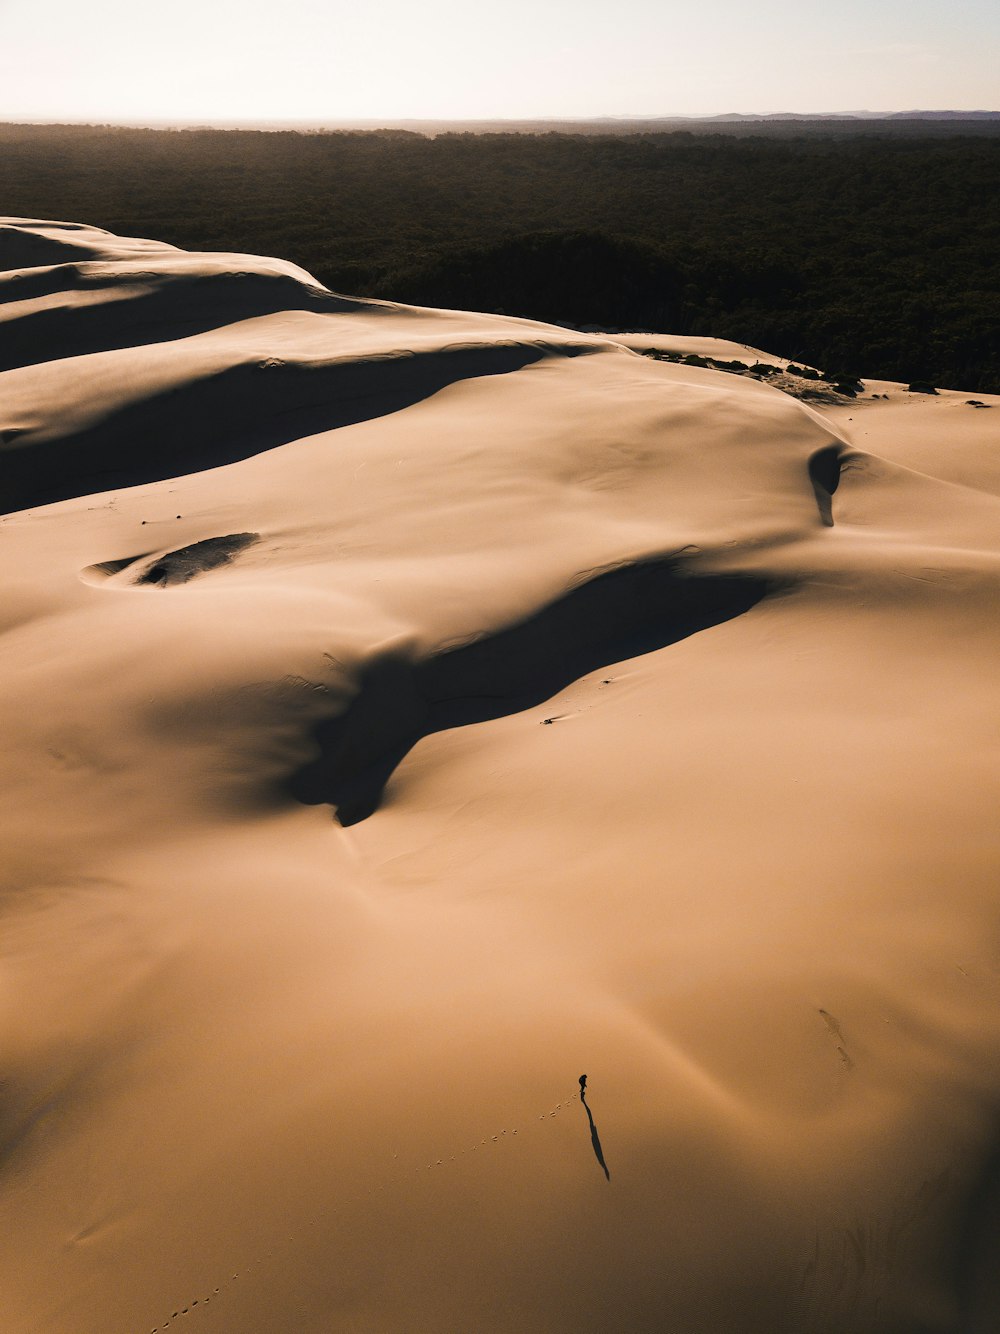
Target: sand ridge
column 407, row 711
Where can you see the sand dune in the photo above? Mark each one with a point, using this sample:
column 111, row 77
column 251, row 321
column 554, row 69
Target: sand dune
column 409, row 711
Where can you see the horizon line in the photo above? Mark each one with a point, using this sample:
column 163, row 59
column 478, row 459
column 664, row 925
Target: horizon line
column 392, row 122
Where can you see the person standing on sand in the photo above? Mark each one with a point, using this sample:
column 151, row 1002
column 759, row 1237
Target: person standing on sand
column 595, row 1139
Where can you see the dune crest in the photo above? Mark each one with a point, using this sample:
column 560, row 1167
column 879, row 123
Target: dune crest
column 407, row 710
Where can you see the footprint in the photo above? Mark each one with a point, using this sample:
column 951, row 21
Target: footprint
column 312, row 1221
column 833, row 1028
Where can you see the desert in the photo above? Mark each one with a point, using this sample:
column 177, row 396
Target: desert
column 408, row 712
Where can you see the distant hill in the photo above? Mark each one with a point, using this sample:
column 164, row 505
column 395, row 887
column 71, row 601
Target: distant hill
column 944, row 115
column 781, row 124
column 853, row 115
column 773, row 124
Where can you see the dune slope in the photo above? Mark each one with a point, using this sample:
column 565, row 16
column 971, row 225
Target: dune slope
column 409, row 711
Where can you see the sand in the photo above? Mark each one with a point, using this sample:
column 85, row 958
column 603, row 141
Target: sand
column 406, row 712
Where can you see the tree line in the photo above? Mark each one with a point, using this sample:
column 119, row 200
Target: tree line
column 870, row 253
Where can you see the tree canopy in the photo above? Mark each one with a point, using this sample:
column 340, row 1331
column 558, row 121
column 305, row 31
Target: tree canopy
column 877, row 253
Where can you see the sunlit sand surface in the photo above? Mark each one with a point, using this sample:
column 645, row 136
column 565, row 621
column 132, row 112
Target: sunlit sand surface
column 406, row 712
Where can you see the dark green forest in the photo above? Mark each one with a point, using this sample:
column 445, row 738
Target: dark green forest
column 874, row 253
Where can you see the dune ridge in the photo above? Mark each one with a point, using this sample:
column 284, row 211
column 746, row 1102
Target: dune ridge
column 407, row 711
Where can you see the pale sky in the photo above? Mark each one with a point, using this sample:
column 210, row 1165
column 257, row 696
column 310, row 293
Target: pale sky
column 327, row 60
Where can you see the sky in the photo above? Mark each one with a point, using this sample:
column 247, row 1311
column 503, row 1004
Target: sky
column 323, row 61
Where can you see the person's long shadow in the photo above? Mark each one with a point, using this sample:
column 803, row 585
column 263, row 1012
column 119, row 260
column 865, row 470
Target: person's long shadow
column 595, row 1138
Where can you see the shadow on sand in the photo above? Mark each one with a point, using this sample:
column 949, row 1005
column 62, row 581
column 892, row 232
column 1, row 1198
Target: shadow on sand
column 595, row 1138
column 617, row 614
column 232, row 413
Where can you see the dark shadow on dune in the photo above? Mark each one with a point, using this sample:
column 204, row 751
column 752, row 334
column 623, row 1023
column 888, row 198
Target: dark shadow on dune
column 22, row 248
column 824, row 473
column 136, row 309
column 614, row 615
column 240, row 411
column 180, row 566
column 977, row 1248
column 595, row 1138
column 172, row 567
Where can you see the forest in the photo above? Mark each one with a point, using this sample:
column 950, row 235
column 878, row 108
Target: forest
column 873, row 253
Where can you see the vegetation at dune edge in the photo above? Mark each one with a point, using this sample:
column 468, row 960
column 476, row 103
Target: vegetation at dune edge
column 876, row 253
